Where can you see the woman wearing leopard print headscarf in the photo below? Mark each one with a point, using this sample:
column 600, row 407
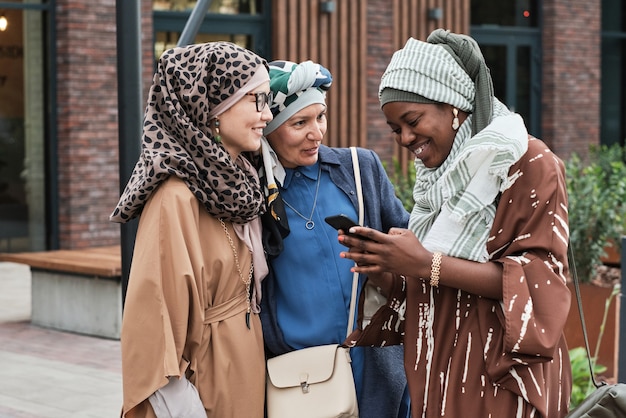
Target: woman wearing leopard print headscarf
column 191, row 336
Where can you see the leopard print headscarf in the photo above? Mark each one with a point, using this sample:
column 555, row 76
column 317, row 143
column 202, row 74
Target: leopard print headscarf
column 190, row 81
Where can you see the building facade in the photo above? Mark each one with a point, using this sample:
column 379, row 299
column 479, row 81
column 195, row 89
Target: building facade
column 559, row 63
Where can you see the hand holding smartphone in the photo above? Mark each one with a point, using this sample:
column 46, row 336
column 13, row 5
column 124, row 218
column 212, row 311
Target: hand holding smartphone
column 344, row 222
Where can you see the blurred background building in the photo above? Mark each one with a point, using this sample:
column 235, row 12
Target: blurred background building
column 559, row 63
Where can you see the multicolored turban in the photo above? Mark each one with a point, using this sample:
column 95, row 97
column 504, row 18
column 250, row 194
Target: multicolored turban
column 295, row 86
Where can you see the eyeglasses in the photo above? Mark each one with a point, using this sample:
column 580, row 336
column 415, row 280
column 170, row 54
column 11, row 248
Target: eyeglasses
column 262, row 99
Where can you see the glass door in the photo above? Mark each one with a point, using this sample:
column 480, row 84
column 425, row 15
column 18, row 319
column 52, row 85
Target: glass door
column 22, row 130
column 510, row 38
column 514, row 58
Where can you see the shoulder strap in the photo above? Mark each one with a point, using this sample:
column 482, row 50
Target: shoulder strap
column 572, row 266
column 357, row 180
column 355, row 278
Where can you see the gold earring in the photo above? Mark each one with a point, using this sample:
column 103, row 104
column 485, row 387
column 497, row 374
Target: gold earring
column 216, row 124
column 455, row 121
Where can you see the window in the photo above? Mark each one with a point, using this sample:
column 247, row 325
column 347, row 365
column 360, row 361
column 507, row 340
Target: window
column 520, row 13
column 243, row 22
column 613, row 97
column 22, row 129
column 252, row 7
column 510, row 38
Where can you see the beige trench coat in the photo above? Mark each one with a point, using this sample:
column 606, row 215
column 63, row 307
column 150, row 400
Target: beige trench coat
column 185, row 311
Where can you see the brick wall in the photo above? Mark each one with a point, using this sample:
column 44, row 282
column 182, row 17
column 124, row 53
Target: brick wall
column 571, row 75
column 380, row 48
column 87, row 119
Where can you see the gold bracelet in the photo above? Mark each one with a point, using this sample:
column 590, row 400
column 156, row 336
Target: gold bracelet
column 435, row 269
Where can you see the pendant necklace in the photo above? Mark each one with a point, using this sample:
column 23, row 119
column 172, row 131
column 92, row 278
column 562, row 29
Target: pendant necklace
column 309, row 221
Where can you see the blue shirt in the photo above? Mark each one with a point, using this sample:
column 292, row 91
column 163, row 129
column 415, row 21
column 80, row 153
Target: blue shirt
column 379, row 372
column 313, row 284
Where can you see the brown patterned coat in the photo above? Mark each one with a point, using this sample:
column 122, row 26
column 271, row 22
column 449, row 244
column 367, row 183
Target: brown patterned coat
column 469, row 356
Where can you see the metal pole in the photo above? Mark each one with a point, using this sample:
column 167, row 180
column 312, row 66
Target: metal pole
column 130, row 113
column 621, row 371
column 194, row 22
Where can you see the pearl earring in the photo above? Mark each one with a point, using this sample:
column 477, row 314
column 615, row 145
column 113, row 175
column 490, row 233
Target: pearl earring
column 455, row 121
column 218, row 138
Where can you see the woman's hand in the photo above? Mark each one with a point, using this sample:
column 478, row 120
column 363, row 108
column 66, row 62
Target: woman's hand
column 398, row 252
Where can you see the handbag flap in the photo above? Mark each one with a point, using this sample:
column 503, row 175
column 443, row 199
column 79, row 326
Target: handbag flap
column 309, row 365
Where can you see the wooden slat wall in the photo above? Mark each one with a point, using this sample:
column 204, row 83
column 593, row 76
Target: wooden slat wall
column 339, row 42
column 411, row 17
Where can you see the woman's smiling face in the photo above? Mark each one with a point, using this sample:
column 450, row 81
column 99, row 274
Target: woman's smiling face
column 424, row 129
column 297, row 141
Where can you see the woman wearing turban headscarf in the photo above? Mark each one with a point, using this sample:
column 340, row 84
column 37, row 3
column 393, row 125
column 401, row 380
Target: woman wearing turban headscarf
column 306, row 296
column 192, row 343
column 484, row 260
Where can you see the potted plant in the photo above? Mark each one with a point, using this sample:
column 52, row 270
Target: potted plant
column 596, row 189
column 582, row 384
column 597, row 204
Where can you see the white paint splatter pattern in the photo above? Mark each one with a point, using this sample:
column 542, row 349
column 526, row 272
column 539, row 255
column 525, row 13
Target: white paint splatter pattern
column 520, row 384
column 487, row 343
column 526, row 317
column 477, row 353
column 467, row 357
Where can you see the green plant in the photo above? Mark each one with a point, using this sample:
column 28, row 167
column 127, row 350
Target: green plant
column 581, row 382
column 403, row 182
column 597, row 205
column 582, row 385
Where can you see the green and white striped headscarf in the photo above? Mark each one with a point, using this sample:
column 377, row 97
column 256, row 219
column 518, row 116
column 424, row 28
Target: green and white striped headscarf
column 295, row 86
column 448, row 68
column 455, row 203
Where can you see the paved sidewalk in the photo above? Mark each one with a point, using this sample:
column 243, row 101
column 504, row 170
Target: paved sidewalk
column 47, row 373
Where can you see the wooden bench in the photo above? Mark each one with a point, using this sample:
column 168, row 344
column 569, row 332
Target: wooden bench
column 75, row 290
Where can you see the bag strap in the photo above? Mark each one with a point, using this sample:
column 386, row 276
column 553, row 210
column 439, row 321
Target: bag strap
column 355, row 277
column 581, row 314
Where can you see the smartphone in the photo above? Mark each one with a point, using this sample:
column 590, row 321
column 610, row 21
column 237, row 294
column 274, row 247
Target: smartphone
column 344, row 222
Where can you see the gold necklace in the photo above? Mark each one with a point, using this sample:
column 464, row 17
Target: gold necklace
column 245, row 282
column 309, row 221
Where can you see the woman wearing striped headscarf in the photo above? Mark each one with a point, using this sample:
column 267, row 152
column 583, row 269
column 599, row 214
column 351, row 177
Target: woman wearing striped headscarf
column 306, row 296
column 477, row 283
column 192, row 344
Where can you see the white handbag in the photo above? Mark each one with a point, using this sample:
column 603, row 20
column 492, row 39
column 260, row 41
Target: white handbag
column 316, row 382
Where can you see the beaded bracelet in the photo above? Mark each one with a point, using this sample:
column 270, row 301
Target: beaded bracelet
column 435, row 269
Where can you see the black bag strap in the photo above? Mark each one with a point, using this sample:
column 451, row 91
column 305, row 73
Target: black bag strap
column 572, row 266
